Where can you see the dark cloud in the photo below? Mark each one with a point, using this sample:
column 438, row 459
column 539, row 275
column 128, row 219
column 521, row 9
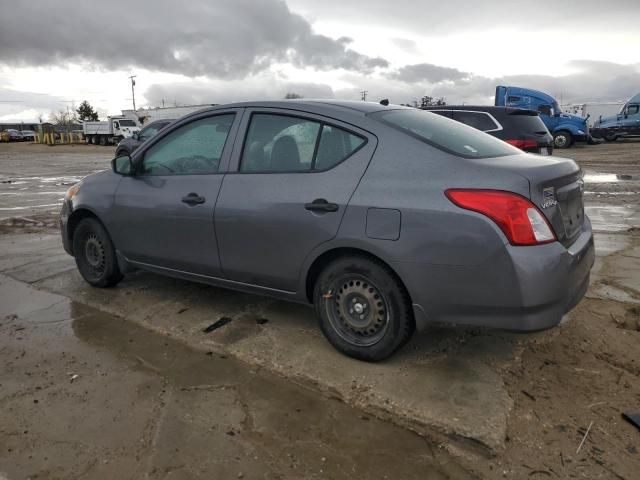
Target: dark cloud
column 222, row 38
column 427, row 72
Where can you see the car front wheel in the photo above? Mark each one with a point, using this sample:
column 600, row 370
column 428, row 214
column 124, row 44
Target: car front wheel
column 363, row 308
column 95, row 255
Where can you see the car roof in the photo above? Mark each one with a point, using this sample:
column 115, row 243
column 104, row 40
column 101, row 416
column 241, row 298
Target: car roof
column 315, row 104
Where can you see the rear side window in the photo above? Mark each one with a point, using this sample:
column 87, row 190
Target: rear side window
column 445, row 134
column 480, row 120
column 633, row 109
column 335, row 145
column 282, row 143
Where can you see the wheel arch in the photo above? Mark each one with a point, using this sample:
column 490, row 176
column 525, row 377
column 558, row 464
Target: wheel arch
column 78, row 215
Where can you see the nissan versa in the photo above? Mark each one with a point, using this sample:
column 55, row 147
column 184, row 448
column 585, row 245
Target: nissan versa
column 385, row 218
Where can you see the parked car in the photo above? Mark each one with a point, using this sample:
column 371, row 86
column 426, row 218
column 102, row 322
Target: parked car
column 29, row 135
column 14, row 135
column 385, row 218
column 519, row 127
column 128, row 145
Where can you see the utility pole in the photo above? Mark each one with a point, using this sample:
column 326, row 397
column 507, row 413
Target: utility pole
column 364, row 95
column 133, row 91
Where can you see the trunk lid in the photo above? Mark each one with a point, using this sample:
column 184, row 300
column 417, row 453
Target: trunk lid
column 555, row 187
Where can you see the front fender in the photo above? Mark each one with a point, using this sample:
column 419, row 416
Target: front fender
column 572, row 128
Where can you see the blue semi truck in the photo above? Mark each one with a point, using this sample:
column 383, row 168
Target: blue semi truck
column 565, row 128
column 624, row 124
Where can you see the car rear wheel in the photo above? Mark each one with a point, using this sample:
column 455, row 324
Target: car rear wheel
column 610, row 137
column 363, row 308
column 562, row 139
column 95, row 255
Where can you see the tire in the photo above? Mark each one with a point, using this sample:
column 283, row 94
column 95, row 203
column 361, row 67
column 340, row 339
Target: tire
column 562, row 139
column 363, row 283
column 94, row 140
column 610, row 137
column 103, row 140
column 95, row 255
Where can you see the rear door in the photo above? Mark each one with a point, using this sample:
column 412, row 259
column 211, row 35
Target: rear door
column 286, row 192
column 163, row 216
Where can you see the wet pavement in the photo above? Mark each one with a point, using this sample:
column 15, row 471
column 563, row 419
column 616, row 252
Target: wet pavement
column 34, row 178
column 86, row 394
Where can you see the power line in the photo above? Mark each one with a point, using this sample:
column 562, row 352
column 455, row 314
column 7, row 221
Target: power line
column 133, row 91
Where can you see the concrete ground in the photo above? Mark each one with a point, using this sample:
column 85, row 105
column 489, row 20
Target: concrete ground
column 490, row 398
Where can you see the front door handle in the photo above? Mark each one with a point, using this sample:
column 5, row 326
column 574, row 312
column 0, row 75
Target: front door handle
column 321, row 205
column 193, row 199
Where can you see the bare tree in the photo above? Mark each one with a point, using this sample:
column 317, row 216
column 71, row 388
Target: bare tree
column 63, row 117
column 292, row 95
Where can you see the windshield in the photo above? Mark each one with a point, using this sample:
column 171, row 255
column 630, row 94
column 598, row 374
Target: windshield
column 445, row 134
column 127, row 123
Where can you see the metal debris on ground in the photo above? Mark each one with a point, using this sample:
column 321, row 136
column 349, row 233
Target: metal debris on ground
column 632, row 418
column 586, row 434
column 220, row 323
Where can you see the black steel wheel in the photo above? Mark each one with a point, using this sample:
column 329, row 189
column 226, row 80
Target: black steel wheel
column 95, row 255
column 363, row 308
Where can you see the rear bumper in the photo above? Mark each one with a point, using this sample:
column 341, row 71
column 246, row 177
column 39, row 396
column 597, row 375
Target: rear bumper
column 523, row 288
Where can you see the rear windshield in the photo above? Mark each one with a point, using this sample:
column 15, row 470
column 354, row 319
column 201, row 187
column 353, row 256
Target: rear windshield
column 526, row 123
column 445, row 134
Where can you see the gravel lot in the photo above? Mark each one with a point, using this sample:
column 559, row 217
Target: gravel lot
column 149, row 402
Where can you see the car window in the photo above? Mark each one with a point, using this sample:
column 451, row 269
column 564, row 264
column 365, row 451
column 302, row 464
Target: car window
column 633, row 109
column 445, row 134
column 335, row 145
column 279, row 143
column 194, row 148
column 479, row 120
column 149, row 132
column 545, row 110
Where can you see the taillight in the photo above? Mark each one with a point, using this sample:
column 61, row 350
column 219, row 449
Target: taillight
column 522, row 144
column 517, row 217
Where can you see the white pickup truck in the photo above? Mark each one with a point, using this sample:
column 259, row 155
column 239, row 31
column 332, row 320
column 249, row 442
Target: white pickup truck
column 110, row 132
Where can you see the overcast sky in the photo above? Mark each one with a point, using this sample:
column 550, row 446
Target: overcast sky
column 215, row 51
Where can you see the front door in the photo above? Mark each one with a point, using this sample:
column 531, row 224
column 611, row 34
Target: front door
column 285, row 194
column 164, row 214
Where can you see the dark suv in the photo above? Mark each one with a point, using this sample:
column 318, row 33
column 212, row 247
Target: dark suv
column 128, row 145
column 517, row 126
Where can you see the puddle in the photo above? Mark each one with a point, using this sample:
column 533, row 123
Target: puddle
column 142, row 401
column 612, row 218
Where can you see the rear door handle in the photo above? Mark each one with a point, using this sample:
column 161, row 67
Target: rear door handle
column 193, row 199
column 321, row 205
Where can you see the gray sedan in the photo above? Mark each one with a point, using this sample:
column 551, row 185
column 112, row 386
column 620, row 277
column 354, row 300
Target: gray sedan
column 386, row 219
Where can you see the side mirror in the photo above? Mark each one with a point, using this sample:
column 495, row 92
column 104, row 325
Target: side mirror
column 122, row 165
